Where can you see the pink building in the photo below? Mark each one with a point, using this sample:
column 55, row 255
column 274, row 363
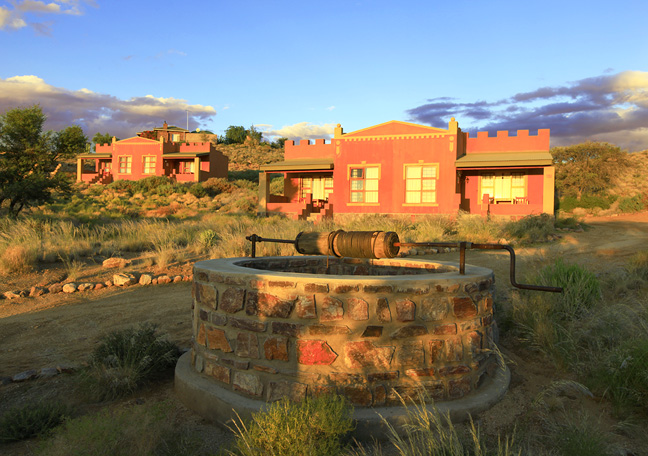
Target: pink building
column 403, row 168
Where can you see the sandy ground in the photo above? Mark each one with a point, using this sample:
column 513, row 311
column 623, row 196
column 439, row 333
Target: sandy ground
column 63, row 329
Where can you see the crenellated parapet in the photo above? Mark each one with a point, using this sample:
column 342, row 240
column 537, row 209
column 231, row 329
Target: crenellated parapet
column 318, row 148
column 504, row 142
column 196, row 147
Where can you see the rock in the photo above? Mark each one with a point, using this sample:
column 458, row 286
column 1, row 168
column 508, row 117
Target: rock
column 23, row 376
column 47, row 372
column 108, row 283
column 154, row 282
column 99, row 286
column 5, row 380
column 115, row 262
column 65, row 369
column 85, row 286
column 37, row 291
column 188, row 278
column 55, row 288
column 14, row 294
column 163, row 279
column 124, row 279
column 146, row 279
column 69, row 287
column 177, row 279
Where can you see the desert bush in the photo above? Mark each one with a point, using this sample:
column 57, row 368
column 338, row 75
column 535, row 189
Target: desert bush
column 127, row 359
column 433, row 228
column 429, row 432
column 32, row 420
column 314, row 426
column 568, row 223
column 197, row 190
column 217, row 185
column 150, row 184
column 635, row 203
column 16, row 259
column 532, row 228
column 475, row 228
column 569, row 203
column 249, row 175
column 141, row 430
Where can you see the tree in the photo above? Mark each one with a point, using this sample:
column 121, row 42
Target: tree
column 235, row 134
column 279, row 143
column 106, row 138
column 29, row 158
column 587, row 168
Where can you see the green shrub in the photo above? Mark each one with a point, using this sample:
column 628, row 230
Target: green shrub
column 142, row 430
column 31, row 420
column 248, row 175
column 569, row 203
column 150, row 184
column 315, row 426
column 532, row 228
column 568, row 223
column 217, row 185
column 635, row 203
column 475, row 228
column 197, row 190
column 127, row 359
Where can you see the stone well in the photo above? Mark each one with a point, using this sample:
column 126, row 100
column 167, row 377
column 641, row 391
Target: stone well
column 371, row 330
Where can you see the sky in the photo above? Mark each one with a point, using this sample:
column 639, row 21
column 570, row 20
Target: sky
column 295, row 69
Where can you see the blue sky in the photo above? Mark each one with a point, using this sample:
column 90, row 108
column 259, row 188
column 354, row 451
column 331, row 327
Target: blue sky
column 295, row 69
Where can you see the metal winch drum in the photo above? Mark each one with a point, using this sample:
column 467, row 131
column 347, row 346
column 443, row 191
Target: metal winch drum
column 346, row 317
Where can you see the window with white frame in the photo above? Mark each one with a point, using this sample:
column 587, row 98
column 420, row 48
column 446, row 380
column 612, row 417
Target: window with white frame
column 149, row 164
column 125, row 162
column 364, row 184
column 420, row 183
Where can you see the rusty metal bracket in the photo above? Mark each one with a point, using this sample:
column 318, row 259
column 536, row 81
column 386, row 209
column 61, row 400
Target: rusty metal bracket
column 254, row 239
column 463, row 246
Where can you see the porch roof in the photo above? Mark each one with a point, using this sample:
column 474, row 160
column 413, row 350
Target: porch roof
column 95, row 155
column 185, row 154
column 299, row 165
column 530, row 158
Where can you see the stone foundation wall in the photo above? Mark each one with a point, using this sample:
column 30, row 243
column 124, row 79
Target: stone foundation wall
column 266, row 333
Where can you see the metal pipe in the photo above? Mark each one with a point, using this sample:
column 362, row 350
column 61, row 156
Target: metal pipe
column 254, row 239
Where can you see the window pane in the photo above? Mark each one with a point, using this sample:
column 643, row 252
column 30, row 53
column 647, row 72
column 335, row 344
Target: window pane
column 518, row 179
column 487, row 180
column 412, row 172
column 357, row 185
column 372, row 173
column 371, row 197
column 372, row 184
column 429, row 171
column 356, row 172
column 429, row 184
column 328, row 182
column 412, row 197
column 413, row 184
column 429, row 197
column 356, row 197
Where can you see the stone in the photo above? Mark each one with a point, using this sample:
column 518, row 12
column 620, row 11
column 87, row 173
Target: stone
column 85, row 286
column 379, row 395
column 276, row 348
column 146, row 279
column 286, row 329
column 458, row 388
column 247, row 345
column 218, row 319
column 316, row 288
column 358, row 395
column 411, row 353
column 201, row 337
column 235, row 363
column 112, row 263
column 220, row 373
column 266, row 369
column 339, row 289
column 55, row 288
column 246, row 324
column 177, row 279
column 342, row 378
column 47, row 372
column 24, row 376
column 232, row 300
column 378, row 289
column 267, row 305
column 108, row 283
column 365, row 354
column 99, row 286
column 37, row 291
column 433, row 309
column 486, row 305
column 319, row 330
column 332, row 309
column 294, row 391
column 464, row 307
column 409, row 331
column 124, row 279
column 405, row 310
column 69, row 288
column 436, row 350
column 474, row 341
column 420, row 373
column 199, row 363
column 320, row 390
column 305, row 307
column 358, row 309
column 217, row 340
column 247, row 383
column 14, row 294
column 383, row 376
column 163, row 279
column 372, row 331
column 315, row 352
column 453, row 349
column 442, row 330
column 382, row 310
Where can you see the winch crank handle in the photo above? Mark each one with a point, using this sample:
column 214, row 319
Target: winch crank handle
column 512, row 275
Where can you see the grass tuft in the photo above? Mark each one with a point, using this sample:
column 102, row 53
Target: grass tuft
column 32, row 420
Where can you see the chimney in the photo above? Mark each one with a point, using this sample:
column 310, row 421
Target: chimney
column 165, row 125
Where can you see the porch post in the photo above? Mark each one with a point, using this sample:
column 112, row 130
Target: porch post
column 548, row 190
column 264, row 191
column 197, row 169
column 79, row 169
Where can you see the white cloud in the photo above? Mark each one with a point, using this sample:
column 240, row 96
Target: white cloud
column 13, row 19
column 330, row 108
column 611, row 108
column 97, row 112
column 301, row 130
